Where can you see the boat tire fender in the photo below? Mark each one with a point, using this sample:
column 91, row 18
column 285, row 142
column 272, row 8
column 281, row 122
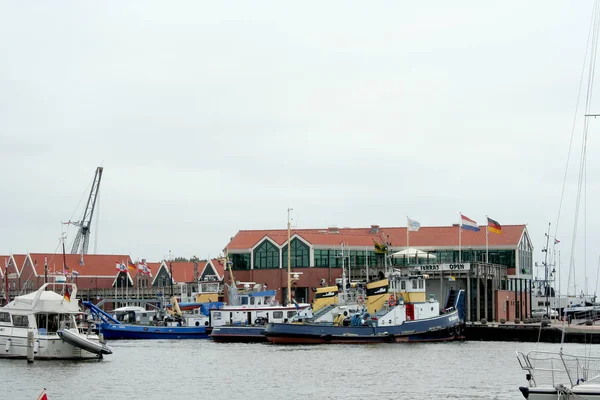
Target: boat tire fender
column 326, row 338
column 450, row 330
column 197, row 323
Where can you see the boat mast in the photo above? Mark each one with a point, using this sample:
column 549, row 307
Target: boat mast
column 289, row 271
column 546, row 280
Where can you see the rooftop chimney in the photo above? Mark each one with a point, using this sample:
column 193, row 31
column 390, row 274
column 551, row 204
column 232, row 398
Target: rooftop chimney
column 374, row 228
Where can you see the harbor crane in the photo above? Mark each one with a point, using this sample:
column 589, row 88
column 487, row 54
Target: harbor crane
column 83, row 234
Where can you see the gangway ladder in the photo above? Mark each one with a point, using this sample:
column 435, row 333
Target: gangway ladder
column 450, row 300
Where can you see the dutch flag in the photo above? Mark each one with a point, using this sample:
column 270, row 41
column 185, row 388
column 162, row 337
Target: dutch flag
column 468, row 224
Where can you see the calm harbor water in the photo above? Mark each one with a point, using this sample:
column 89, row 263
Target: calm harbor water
column 201, row 369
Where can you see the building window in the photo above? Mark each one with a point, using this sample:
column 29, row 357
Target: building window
column 240, row 261
column 300, row 255
column 321, row 258
column 266, row 255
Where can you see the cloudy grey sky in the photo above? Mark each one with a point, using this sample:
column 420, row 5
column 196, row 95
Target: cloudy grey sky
column 212, row 117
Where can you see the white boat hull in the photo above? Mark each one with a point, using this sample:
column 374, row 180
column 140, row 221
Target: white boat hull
column 584, row 391
column 48, row 347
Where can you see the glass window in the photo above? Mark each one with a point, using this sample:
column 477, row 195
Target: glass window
column 266, row 255
column 42, row 321
column 21, row 321
column 321, row 258
column 290, row 314
column 300, row 255
column 414, row 283
column 402, row 285
column 4, row 317
column 420, row 283
column 278, row 314
column 240, row 261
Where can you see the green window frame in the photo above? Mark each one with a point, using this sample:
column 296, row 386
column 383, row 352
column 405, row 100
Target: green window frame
column 300, row 255
column 266, row 255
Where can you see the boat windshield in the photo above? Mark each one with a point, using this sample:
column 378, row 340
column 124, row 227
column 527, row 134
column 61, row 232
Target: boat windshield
column 50, row 322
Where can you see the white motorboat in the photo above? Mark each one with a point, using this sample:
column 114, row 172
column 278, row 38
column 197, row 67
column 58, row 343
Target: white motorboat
column 556, row 375
column 50, row 319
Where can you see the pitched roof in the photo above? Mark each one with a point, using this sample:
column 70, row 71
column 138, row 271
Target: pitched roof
column 94, row 264
column 434, row 237
column 215, row 265
column 183, row 271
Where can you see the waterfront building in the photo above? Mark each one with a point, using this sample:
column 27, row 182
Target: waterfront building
column 494, row 269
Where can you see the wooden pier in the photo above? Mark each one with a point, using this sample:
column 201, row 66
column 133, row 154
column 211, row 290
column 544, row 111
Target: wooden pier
column 532, row 332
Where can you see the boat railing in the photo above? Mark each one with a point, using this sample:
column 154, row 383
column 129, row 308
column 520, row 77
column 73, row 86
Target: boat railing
column 559, row 368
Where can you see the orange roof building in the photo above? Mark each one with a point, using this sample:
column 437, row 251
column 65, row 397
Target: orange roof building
column 500, row 262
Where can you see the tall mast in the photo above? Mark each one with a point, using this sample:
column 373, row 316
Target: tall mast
column 289, row 271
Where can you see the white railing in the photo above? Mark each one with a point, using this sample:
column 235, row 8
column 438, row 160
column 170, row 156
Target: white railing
column 559, row 368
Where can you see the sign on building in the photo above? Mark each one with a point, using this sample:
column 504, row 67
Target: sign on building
column 456, row 267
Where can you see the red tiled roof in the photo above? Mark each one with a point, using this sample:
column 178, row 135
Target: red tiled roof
column 19, row 260
column 4, row 261
column 426, row 237
column 219, row 266
column 94, row 264
column 184, row 271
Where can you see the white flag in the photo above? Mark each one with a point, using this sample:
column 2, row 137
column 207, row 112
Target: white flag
column 413, row 225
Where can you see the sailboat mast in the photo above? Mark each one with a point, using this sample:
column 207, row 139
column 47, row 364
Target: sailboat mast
column 289, row 271
column 546, row 280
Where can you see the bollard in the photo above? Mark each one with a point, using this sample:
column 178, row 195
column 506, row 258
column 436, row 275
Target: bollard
column 30, row 346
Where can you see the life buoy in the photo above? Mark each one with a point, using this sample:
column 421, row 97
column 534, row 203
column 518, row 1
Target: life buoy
column 392, row 300
column 360, row 300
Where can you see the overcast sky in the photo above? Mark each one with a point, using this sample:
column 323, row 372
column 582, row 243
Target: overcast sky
column 211, row 117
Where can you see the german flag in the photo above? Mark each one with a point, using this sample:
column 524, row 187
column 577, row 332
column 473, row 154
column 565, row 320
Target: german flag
column 130, row 265
column 494, row 226
column 67, row 295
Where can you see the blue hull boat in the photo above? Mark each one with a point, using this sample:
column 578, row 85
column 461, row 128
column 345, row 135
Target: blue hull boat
column 418, row 321
column 239, row 334
column 445, row 327
column 112, row 329
column 123, row 331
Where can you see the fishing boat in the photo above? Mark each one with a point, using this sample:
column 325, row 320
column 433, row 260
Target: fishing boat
column 244, row 319
column 396, row 310
column 45, row 321
column 184, row 326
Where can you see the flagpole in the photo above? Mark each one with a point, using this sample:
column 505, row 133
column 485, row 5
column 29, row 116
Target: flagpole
column 459, row 237
column 407, row 223
column 487, row 232
column 41, row 394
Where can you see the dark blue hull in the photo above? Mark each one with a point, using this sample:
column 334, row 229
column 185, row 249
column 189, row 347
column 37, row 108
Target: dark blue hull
column 441, row 328
column 122, row 331
column 243, row 334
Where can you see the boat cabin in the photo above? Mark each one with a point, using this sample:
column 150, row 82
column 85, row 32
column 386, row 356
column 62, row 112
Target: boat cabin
column 134, row 315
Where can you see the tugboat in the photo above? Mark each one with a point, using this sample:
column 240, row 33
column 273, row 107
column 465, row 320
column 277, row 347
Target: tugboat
column 396, row 310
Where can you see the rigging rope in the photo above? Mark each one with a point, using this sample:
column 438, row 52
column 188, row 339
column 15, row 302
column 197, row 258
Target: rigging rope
column 582, row 163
